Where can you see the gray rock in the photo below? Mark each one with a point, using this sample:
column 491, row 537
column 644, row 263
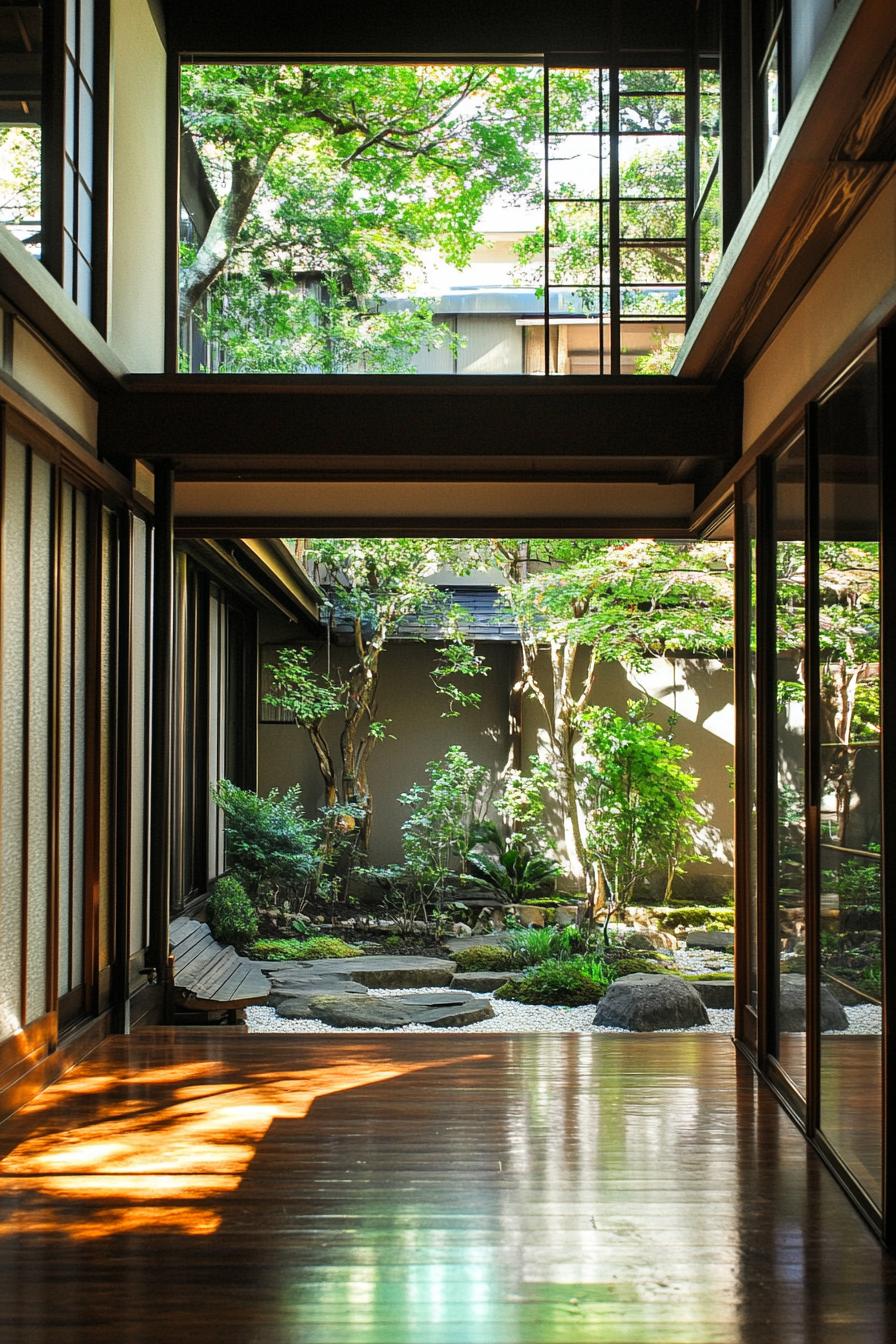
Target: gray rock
column 461, row 930
column 355, row 1010
column 477, row 940
column 388, row 972
column 484, row 982
column 715, row 993
column 302, row 992
column 642, row 942
column 792, row 1006
column 446, row 1010
column 719, row 940
column 651, row 1003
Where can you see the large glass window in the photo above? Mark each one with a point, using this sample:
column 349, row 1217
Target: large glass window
column 21, row 54
column 848, row 598
column 501, row 218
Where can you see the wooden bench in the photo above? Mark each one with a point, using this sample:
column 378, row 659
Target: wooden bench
column 211, row 977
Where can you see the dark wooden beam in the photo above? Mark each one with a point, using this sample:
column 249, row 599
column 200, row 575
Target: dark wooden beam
column 535, row 424
column 162, row 705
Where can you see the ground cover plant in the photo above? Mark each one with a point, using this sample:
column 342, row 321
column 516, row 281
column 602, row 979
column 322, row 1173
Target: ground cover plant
column 303, row 949
column 713, row 918
column 572, row 981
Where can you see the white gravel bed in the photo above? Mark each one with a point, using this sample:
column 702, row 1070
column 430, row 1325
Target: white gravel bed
column 865, row 1019
column 697, row 961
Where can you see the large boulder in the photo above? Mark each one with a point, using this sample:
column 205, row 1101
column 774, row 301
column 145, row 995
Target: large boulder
column 651, row 1003
column 792, row 1006
column 357, row 1010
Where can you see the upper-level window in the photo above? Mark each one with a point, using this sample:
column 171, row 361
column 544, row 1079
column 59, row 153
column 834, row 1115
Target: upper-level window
column 21, row 60
column 78, row 153
column 444, row 218
column 53, row 95
column 769, row 70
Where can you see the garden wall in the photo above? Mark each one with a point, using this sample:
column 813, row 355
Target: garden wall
column 700, row 692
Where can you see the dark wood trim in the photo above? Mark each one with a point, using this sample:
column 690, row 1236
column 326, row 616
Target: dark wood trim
column 121, row 823
column 53, row 921
column 886, row 353
column 766, row 791
column 58, row 445
column 813, row 778
column 172, row 213
column 45, row 1066
column 52, row 139
column 398, row 525
column 791, row 417
column 25, row 730
column 161, row 747
column 736, row 141
column 93, row 753
column 102, row 149
column 742, row 934
column 17, row 1050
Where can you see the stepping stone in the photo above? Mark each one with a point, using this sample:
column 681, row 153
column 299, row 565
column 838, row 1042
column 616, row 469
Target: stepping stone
column 388, row 972
column 651, row 1003
column 446, row 1010
column 719, row 940
column 357, row 1010
column 299, row 994
column 484, row 982
column 477, row 940
column 715, row 993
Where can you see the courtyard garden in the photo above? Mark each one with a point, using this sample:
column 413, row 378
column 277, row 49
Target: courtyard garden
column 557, row 891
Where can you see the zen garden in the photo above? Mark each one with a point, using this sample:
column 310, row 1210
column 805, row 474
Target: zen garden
column 561, row 860
column 499, row 794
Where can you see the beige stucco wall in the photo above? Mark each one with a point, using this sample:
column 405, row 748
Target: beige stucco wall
column 52, row 384
column 409, row 699
column 699, row 692
column 137, row 188
column 855, row 288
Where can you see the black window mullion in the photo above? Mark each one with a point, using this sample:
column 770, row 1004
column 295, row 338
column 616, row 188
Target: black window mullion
column 615, row 296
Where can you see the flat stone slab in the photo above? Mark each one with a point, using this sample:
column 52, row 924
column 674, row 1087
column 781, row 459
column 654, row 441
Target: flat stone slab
column 476, row 940
column 357, row 1010
column 452, row 1009
column 298, row 995
column 387, row 972
column 715, row 993
column 651, row 1003
column 718, row 940
column 484, row 982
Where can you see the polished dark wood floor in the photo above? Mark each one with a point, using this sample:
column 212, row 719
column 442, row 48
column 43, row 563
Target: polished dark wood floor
column 192, row 1186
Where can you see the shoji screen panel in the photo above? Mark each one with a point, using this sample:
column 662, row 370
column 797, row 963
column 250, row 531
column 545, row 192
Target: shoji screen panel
column 26, row 620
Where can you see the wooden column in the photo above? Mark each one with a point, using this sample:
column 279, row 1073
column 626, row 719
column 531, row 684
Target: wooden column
column 160, row 819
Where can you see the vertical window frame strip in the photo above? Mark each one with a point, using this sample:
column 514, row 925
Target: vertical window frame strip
column 886, row 354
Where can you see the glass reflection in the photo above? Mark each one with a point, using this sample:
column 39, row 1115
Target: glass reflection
column 789, row 827
column 849, row 723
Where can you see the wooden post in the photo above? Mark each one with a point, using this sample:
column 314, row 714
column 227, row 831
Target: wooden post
column 160, row 819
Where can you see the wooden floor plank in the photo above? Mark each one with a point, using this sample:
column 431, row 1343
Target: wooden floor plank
column 423, row 1189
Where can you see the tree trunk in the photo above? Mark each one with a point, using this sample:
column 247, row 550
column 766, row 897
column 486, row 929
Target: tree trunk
column 217, row 247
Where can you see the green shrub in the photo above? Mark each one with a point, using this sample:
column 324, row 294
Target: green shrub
column 230, row 913
column 713, row 918
column 531, row 946
column 303, row 949
column 483, row 957
column 573, row 982
column 637, row 966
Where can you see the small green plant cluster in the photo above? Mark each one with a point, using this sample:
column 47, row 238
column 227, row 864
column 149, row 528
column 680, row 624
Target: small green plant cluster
column 531, row 946
column 230, row 913
column 303, row 949
column 571, row 982
column 709, row 917
column 484, row 957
